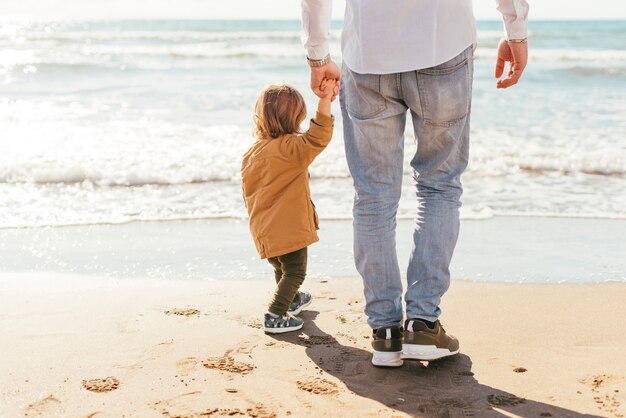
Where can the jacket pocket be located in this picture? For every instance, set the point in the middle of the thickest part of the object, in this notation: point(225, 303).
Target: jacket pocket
point(316, 219)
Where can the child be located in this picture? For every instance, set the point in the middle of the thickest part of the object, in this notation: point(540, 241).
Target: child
point(275, 182)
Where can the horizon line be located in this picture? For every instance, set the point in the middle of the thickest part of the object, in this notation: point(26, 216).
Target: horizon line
point(251, 19)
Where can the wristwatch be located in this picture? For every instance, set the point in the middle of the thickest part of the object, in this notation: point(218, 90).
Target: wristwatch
point(318, 63)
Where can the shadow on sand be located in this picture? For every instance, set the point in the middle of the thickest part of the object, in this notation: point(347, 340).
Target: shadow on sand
point(444, 388)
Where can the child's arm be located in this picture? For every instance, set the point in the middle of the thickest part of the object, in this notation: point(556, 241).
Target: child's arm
point(303, 149)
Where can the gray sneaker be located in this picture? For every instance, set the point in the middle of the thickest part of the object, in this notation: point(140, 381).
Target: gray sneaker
point(303, 301)
point(423, 343)
point(282, 324)
point(387, 345)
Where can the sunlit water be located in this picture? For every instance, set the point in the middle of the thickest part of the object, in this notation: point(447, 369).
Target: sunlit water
point(132, 120)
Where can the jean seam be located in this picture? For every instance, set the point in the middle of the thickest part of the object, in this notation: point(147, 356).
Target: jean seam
point(421, 95)
point(399, 84)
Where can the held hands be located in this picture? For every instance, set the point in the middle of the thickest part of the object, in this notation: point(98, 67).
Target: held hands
point(329, 71)
point(516, 53)
point(329, 89)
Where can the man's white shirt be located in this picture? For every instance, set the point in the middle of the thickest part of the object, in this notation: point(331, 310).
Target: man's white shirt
point(393, 36)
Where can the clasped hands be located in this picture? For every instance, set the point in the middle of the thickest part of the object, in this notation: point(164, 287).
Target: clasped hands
point(325, 80)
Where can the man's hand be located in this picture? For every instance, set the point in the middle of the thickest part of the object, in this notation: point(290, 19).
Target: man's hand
point(516, 53)
point(328, 71)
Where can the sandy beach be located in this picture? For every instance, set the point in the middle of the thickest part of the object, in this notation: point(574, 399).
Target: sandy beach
point(89, 346)
point(130, 285)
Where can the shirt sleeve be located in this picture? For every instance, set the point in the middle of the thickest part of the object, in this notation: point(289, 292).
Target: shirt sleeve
point(302, 149)
point(316, 16)
point(515, 16)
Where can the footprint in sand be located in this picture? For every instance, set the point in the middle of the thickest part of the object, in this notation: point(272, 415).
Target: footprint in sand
point(254, 323)
point(318, 386)
point(316, 339)
point(149, 354)
point(228, 364)
point(504, 400)
point(45, 407)
point(244, 347)
point(192, 405)
point(601, 380)
point(186, 366)
point(605, 398)
point(350, 338)
point(445, 407)
point(183, 312)
point(106, 384)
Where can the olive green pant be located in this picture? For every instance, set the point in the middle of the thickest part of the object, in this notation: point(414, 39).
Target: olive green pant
point(289, 272)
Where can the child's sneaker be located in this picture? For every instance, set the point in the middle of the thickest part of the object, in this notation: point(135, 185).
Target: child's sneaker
point(296, 307)
point(280, 324)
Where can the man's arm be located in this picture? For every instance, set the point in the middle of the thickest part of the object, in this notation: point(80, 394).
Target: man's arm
point(316, 17)
point(514, 48)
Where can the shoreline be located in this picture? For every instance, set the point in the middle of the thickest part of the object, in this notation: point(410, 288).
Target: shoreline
point(79, 345)
point(237, 218)
point(500, 249)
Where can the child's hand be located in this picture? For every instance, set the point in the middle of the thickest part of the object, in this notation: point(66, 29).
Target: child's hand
point(330, 86)
point(335, 92)
point(332, 90)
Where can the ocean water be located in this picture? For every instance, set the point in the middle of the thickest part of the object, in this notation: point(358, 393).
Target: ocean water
point(116, 121)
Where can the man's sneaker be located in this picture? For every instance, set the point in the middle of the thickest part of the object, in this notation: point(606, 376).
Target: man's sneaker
point(423, 343)
point(303, 301)
point(387, 345)
point(280, 324)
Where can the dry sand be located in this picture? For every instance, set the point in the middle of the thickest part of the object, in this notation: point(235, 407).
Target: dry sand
point(81, 346)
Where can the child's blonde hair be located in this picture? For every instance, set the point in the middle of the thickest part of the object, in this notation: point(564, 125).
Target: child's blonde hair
point(279, 110)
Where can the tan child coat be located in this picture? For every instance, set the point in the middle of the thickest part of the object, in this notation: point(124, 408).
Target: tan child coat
point(275, 181)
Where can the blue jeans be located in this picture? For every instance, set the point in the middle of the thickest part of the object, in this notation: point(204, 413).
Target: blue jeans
point(374, 109)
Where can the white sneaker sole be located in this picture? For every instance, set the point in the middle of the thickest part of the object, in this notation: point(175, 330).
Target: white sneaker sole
point(387, 359)
point(282, 330)
point(425, 352)
point(297, 311)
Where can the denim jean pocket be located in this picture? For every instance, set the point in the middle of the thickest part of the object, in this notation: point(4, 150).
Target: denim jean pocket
point(445, 91)
point(362, 94)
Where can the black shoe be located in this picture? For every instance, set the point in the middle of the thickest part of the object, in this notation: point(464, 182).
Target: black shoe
point(387, 345)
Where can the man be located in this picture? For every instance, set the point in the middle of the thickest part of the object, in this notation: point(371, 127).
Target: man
point(400, 56)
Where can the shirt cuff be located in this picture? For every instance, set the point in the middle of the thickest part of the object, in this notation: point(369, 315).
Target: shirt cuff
point(323, 120)
point(515, 15)
point(516, 30)
point(317, 52)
